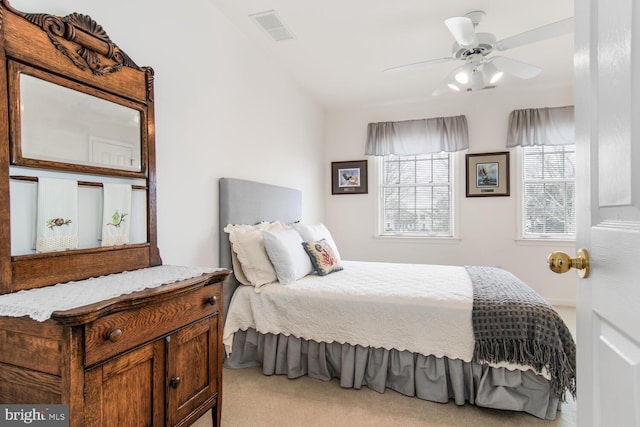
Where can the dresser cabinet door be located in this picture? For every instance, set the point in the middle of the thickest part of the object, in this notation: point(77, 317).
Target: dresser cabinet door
point(128, 390)
point(192, 355)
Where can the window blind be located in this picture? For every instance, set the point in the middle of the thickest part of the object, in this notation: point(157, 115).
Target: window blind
point(549, 190)
point(416, 192)
point(547, 138)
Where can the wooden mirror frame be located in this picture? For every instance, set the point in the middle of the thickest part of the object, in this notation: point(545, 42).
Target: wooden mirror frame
point(76, 51)
point(15, 70)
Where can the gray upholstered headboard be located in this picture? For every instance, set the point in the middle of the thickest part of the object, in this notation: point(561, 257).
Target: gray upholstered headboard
point(249, 202)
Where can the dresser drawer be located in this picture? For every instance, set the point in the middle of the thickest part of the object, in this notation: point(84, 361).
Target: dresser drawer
point(119, 332)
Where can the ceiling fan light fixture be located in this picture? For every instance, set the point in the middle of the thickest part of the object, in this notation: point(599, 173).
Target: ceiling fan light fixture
point(477, 80)
point(493, 73)
point(472, 49)
point(462, 77)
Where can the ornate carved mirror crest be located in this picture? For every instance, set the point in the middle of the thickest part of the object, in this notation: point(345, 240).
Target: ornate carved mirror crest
point(71, 28)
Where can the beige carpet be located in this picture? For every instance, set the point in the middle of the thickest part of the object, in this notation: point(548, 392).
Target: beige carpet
point(251, 399)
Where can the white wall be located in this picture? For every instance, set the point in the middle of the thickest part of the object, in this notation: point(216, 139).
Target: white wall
point(223, 109)
point(487, 226)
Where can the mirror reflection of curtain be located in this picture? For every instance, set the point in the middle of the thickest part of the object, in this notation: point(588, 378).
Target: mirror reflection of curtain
point(415, 137)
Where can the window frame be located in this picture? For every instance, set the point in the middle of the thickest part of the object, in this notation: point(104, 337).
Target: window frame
point(522, 236)
point(453, 204)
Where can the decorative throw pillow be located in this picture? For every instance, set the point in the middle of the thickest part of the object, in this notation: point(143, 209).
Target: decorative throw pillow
point(323, 258)
point(286, 254)
point(315, 232)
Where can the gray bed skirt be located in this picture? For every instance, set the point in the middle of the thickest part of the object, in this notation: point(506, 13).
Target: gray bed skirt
point(425, 377)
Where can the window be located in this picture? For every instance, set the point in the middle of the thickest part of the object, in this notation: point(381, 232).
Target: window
point(549, 191)
point(416, 195)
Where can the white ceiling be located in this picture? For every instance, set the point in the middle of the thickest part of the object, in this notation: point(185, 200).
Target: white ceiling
point(341, 47)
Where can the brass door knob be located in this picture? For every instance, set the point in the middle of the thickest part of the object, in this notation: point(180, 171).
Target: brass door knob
point(560, 262)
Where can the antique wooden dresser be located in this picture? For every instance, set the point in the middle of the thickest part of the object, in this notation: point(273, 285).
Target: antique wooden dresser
point(103, 327)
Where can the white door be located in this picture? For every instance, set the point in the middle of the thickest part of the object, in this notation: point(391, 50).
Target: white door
point(607, 100)
point(111, 153)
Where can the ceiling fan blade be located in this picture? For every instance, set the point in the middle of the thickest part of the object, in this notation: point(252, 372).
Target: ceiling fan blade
point(537, 34)
point(449, 84)
point(517, 68)
point(440, 90)
point(420, 64)
point(462, 30)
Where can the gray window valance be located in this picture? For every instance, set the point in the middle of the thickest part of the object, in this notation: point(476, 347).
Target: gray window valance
point(541, 126)
point(414, 137)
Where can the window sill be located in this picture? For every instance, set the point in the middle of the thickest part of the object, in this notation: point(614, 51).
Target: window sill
point(569, 243)
point(423, 239)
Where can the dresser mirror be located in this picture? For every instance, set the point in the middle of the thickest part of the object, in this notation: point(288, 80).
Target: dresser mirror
point(79, 110)
point(58, 123)
point(65, 125)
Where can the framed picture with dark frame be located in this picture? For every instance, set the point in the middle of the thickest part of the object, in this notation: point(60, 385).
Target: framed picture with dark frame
point(349, 177)
point(487, 174)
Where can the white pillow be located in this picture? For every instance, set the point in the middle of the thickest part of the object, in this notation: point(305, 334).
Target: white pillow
point(314, 233)
point(287, 255)
point(248, 244)
point(237, 269)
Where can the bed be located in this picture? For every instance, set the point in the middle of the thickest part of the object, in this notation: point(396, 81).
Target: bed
point(468, 334)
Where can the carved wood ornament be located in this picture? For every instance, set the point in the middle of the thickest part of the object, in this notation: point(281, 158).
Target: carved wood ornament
point(87, 56)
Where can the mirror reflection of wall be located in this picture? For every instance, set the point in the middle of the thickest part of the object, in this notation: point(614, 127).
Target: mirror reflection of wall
point(64, 125)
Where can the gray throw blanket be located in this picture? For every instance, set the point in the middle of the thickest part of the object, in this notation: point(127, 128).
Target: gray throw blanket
point(512, 323)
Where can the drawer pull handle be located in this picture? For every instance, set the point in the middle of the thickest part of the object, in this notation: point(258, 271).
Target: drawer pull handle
point(212, 300)
point(114, 335)
point(174, 382)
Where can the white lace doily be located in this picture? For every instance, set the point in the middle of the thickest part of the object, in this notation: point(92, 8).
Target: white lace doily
point(39, 303)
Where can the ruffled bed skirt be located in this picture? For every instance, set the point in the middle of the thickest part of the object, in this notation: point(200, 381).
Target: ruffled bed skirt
point(426, 377)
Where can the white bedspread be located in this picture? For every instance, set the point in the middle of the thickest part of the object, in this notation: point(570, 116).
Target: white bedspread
point(428, 311)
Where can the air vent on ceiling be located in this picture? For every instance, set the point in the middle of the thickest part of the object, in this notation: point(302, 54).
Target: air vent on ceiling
point(271, 23)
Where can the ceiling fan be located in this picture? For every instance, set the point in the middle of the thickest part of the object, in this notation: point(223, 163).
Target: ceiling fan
point(480, 71)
